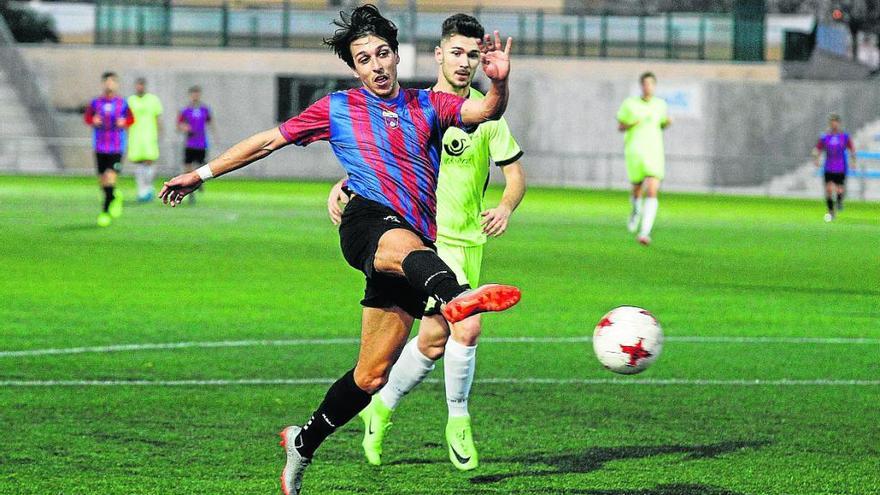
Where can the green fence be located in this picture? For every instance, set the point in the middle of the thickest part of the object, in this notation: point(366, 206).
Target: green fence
point(666, 36)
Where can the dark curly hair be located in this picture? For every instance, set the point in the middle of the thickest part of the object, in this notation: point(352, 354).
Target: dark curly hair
point(464, 25)
point(363, 21)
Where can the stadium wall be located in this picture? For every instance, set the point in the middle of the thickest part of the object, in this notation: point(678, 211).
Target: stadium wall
point(735, 125)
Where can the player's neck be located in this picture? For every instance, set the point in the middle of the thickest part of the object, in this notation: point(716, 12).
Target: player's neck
point(647, 97)
point(394, 93)
point(109, 94)
point(443, 86)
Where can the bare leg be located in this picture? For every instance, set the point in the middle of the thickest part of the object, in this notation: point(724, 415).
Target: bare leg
point(383, 334)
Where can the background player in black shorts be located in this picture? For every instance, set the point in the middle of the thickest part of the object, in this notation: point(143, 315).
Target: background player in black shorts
point(109, 116)
point(835, 144)
point(195, 121)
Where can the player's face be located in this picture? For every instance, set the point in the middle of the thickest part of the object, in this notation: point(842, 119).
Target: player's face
point(835, 125)
point(375, 64)
point(459, 57)
point(195, 96)
point(649, 84)
point(140, 88)
point(110, 85)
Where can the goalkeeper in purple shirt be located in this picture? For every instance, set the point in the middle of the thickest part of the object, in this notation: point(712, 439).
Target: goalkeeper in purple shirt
point(835, 144)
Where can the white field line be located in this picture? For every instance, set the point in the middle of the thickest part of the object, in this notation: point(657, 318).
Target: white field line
point(496, 381)
point(489, 340)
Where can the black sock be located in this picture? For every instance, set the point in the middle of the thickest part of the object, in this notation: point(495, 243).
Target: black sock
point(425, 271)
point(343, 401)
point(108, 196)
point(830, 203)
point(839, 199)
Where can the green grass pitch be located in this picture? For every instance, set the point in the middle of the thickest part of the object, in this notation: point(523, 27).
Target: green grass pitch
point(259, 261)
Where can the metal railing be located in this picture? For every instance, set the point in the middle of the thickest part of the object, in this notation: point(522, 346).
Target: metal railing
point(30, 93)
point(665, 36)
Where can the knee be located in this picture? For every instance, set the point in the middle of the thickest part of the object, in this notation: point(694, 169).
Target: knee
point(433, 347)
point(467, 332)
point(372, 379)
point(390, 255)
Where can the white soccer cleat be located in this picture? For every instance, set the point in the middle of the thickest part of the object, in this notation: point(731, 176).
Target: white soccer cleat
point(829, 217)
point(291, 477)
point(633, 224)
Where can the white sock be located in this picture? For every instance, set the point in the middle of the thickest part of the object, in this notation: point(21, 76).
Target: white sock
point(140, 178)
point(459, 363)
point(149, 177)
point(410, 369)
point(651, 205)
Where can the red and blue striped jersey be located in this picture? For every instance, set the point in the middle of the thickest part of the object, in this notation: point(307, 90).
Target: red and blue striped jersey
point(109, 136)
point(390, 148)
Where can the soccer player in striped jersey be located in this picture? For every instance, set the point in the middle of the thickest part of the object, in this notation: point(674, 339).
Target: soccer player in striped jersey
point(109, 116)
point(835, 144)
point(388, 140)
point(462, 227)
point(143, 137)
point(643, 120)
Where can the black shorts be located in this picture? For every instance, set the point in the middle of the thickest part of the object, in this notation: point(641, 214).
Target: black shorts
point(363, 223)
point(108, 161)
point(194, 155)
point(838, 178)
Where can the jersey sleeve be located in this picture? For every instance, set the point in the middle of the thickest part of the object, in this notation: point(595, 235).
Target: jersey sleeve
point(159, 109)
point(90, 113)
point(503, 148)
point(208, 115)
point(128, 115)
point(448, 109)
point(820, 144)
point(180, 117)
point(313, 124)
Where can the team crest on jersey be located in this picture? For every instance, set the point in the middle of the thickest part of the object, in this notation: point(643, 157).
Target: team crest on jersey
point(108, 107)
point(391, 119)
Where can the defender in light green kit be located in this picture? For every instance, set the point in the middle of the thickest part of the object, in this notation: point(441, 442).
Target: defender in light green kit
point(462, 229)
point(643, 119)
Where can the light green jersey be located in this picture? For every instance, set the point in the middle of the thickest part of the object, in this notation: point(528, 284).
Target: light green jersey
point(143, 135)
point(464, 175)
point(643, 141)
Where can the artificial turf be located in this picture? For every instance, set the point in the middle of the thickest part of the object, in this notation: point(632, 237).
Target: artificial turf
point(259, 262)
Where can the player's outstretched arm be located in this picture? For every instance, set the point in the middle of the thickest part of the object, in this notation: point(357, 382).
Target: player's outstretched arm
point(496, 65)
point(242, 154)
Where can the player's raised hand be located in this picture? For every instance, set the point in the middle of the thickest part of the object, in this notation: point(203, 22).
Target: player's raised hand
point(179, 187)
point(337, 197)
point(496, 59)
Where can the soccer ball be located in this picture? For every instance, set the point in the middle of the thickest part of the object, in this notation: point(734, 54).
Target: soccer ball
point(628, 340)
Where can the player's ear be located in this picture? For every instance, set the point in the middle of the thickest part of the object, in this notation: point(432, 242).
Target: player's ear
point(396, 58)
point(438, 55)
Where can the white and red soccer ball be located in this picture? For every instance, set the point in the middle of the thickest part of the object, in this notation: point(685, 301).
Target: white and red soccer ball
point(628, 340)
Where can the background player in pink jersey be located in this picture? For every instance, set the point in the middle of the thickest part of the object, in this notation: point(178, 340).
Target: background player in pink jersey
point(835, 144)
point(388, 140)
point(109, 116)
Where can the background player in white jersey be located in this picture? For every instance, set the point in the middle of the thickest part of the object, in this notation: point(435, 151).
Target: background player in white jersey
point(462, 228)
point(643, 120)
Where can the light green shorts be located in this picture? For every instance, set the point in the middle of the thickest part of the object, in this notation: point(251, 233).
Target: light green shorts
point(464, 261)
point(639, 167)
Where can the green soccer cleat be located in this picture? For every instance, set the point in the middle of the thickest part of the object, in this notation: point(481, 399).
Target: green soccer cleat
point(115, 208)
point(104, 219)
point(377, 421)
point(462, 451)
